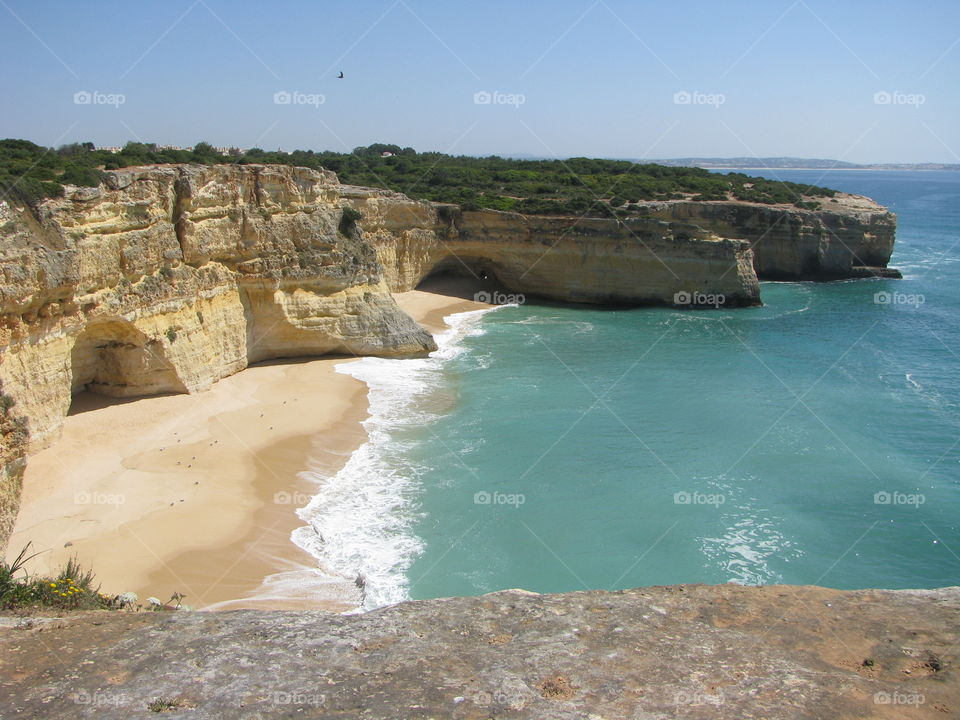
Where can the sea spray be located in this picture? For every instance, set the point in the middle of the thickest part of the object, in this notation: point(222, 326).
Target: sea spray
point(359, 523)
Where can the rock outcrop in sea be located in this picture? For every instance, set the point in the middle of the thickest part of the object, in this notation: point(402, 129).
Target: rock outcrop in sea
point(168, 278)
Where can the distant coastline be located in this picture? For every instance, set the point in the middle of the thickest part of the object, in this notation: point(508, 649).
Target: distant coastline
point(792, 163)
point(869, 168)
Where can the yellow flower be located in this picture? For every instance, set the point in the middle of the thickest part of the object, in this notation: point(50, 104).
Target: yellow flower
point(53, 585)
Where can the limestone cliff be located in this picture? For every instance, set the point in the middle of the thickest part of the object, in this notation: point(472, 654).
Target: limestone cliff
point(165, 279)
point(851, 236)
point(590, 260)
point(688, 651)
point(719, 248)
point(13, 449)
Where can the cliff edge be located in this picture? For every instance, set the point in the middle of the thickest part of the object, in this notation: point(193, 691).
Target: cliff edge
point(691, 651)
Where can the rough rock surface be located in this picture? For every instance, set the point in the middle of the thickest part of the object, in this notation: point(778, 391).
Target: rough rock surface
point(684, 651)
point(851, 236)
point(590, 260)
point(676, 246)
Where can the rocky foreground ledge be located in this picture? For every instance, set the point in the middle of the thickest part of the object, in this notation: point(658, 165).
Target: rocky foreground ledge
point(691, 651)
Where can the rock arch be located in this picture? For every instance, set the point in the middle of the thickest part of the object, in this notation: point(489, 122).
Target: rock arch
point(112, 357)
point(474, 267)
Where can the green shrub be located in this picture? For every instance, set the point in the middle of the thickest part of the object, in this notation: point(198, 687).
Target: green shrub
point(72, 588)
point(349, 219)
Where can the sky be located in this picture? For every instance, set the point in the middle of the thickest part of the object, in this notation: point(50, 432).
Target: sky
point(857, 81)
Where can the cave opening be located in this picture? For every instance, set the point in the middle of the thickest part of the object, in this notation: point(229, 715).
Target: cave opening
point(112, 360)
point(464, 277)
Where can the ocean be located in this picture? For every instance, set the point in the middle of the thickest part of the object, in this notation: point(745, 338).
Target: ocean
point(814, 440)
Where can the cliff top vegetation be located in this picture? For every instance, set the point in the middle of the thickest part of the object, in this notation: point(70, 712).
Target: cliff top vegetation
point(581, 186)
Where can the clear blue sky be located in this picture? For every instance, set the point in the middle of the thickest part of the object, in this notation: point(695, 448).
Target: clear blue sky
point(598, 78)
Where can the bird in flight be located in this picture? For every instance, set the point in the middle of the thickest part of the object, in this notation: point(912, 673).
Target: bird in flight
point(340, 76)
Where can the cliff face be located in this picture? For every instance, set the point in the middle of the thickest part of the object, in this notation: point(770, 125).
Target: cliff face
point(590, 260)
point(166, 279)
point(717, 248)
point(851, 237)
point(13, 451)
point(694, 651)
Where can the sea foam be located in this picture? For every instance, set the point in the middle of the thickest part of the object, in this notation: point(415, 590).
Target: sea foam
point(359, 523)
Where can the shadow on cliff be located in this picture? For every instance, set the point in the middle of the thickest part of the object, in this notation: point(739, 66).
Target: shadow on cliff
point(460, 285)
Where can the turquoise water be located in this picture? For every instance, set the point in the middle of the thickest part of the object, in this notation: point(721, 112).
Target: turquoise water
point(777, 425)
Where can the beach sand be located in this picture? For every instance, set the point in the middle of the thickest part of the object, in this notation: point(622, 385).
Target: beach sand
point(197, 494)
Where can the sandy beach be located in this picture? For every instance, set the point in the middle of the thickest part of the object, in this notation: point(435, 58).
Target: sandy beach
point(197, 494)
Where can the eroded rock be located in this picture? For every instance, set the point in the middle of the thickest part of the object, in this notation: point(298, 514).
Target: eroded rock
point(691, 651)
